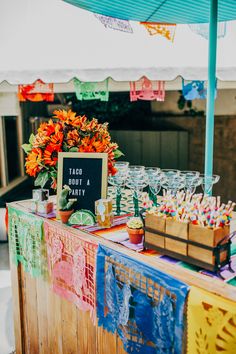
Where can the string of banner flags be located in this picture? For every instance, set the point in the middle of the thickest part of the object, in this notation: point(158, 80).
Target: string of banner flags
point(166, 30)
point(143, 89)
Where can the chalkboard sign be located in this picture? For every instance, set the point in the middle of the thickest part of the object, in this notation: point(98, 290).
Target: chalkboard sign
point(85, 174)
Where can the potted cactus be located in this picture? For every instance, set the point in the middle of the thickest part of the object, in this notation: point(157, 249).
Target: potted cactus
point(65, 204)
point(135, 230)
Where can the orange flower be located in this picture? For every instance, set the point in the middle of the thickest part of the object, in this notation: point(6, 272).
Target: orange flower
point(86, 145)
point(47, 128)
point(72, 138)
point(32, 162)
point(51, 154)
point(99, 146)
point(40, 140)
point(57, 138)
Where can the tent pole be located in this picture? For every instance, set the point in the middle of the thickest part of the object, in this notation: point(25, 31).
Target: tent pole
point(212, 50)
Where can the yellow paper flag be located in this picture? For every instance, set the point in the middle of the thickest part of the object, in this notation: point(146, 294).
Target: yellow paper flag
point(211, 323)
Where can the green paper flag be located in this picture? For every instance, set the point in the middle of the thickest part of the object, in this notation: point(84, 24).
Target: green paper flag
point(26, 242)
point(91, 90)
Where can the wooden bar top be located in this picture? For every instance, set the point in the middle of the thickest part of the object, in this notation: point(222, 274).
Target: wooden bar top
point(190, 277)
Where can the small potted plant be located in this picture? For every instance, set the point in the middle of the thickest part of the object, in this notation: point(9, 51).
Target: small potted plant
point(65, 204)
point(135, 230)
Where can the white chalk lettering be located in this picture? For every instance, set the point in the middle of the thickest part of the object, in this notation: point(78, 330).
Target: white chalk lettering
point(88, 182)
point(75, 171)
point(78, 192)
point(75, 181)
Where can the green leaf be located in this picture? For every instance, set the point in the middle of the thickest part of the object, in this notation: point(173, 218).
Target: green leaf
point(53, 174)
point(31, 139)
point(26, 147)
point(73, 149)
point(118, 153)
point(42, 178)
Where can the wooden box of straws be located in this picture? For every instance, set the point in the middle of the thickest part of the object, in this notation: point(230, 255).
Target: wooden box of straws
point(156, 224)
point(178, 229)
point(208, 237)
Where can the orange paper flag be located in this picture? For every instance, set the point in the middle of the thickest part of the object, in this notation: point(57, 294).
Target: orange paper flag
point(166, 30)
point(36, 92)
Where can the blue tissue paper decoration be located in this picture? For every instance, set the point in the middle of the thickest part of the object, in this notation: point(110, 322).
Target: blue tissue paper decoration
point(195, 90)
point(142, 304)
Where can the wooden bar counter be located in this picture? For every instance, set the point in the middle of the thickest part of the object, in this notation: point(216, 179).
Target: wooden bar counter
point(46, 323)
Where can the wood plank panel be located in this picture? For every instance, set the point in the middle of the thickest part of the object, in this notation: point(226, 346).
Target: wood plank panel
point(183, 150)
point(69, 327)
point(120, 347)
point(86, 339)
point(41, 286)
point(151, 142)
point(25, 325)
point(54, 322)
point(31, 314)
point(105, 340)
point(130, 144)
point(169, 149)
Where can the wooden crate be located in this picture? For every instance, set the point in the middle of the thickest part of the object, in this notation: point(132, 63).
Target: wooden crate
point(208, 237)
point(178, 229)
point(156, 223)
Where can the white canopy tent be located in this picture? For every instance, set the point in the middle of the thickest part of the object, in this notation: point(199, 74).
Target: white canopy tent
point(54, 41)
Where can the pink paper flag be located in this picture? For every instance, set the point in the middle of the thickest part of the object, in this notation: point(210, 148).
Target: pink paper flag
point(72, 266)
point(145, 89)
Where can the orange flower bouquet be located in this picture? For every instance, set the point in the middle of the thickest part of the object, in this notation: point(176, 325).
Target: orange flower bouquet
point(69, 133)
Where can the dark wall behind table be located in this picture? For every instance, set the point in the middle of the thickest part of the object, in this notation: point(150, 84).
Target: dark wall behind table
point(122, 114)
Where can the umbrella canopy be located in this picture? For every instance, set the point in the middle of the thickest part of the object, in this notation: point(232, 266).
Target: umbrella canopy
point(170, 11)
point(54, 41)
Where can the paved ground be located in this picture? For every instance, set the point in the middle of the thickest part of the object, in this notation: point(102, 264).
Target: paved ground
point(6, 318)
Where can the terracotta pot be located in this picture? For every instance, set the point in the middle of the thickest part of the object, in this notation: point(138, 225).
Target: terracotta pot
point(65, 215)
point(135, 235)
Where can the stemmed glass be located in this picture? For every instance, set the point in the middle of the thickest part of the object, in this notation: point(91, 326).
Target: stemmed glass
point(118, 181)
point(173, 181)
point(136, 181)
point(208, 182)
point(192, 180)
point(155, 177)
point(173, 184)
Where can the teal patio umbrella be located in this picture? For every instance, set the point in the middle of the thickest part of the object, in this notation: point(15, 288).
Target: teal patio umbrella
point(179, 12)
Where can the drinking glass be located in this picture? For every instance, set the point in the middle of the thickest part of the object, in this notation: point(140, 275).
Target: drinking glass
point(155, 177)
point(192, 180)
point(208, 182)
point(173, 184)
point(136, 181)
point(118, 181)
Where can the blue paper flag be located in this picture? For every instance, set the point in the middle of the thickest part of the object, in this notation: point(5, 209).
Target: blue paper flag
point(195, 90)
point(143, 305)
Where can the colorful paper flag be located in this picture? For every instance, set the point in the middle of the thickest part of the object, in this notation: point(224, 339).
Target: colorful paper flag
point(36, 92)
point(115, 23)
point(91, 90)
point(211, 323)
point(166, 30)
point(144, 306)
point(145, 89)
point(195, 90)
point(203, 29)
